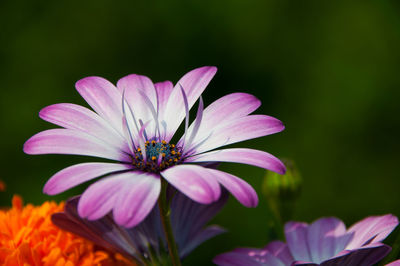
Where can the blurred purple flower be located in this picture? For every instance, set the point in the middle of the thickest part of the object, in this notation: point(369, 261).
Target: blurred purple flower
point(324, 242)
point(145, 243)
point(394, 263)
point(133, 124)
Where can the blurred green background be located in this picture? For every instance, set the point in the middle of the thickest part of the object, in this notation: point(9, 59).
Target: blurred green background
point(327, 69)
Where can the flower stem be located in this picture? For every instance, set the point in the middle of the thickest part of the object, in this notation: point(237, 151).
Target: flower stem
point(166, 223)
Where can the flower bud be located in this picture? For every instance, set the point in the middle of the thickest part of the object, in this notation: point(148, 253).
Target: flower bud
point(281, 191)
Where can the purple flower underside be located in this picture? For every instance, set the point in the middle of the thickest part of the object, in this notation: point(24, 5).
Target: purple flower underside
point(188, 219)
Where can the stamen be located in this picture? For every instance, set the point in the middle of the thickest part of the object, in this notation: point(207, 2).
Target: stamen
point(160, 158)
point(160, 155)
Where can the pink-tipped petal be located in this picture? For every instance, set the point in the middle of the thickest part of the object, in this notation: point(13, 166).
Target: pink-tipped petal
point(194, 181)
point(68, 141)
point(239, 188)
point(296, 238)
point(237, 130)
point(326, 238)
point(137, 198)
point(229, 107)
point(141, 96)
point(372, 229)
point(100, 197)
point(104, 98)
point(78, 174)
point(163, 90)
point(194, 83)
point(242, 155)
point(77, 117)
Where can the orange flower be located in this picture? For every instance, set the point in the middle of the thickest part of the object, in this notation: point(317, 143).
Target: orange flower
point(28, 237)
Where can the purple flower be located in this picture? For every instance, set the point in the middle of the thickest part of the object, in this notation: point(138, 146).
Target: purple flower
point(394, 263)
point(145, 243)
point(133, 124)
point(324, 242)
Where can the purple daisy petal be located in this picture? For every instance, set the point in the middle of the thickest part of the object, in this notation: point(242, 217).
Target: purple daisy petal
point(141, 95)
point(137, 198)
point(146, 239)
point(100, 197)
point(63, 221)
point(194, 83)
point(77, 117)
point(240, 155)
point(163, 90)
point(239, 188)
point(229, 107)
point(103, 97)
point(372, 229)
point(77, 174)
point(296, 238)
point(104, 232)
point(248, 256)
point(302, 263)
point(68, 141)
point(281, 251)
point(73, 223)
point(188, 219)
point(200, 238)
point(364, 256)
point(194, 181)
point(244, 128)
point(134, 83)
point(234, 258)
point(196, 125)
point(326, 237)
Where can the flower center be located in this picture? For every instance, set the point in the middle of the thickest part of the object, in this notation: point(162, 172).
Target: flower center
point(159, 155)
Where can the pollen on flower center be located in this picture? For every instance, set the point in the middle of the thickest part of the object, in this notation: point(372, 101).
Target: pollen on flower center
point(158, 156)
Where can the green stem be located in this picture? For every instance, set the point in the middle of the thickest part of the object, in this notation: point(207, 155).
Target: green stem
point(166, 222)
point(276, 221)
